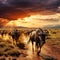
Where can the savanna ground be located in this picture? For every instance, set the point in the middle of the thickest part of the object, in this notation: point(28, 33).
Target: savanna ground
point(50, 51)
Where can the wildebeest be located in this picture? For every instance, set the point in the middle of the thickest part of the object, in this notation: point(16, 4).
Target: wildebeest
point(2, 32)
point(38, 37)
point(15, 35)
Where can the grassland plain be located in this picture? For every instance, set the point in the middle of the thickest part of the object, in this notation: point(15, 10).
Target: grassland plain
point(50, 51)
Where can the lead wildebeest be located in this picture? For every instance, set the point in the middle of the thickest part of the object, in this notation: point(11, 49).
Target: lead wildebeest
point(38, 37)
point(15, 35)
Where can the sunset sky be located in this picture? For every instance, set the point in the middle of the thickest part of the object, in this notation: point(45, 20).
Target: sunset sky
point(29, 13)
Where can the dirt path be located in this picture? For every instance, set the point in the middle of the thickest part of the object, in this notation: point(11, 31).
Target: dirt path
point(48, 52)
point(51, 51)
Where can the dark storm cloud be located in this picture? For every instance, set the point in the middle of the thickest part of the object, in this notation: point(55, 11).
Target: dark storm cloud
point(34, 3)
point(16, 8)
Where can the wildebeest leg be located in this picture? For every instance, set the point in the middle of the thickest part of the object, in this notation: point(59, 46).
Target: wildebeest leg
point(14, 42)
point(39, 50)
point(2, 35)
point(32, 47)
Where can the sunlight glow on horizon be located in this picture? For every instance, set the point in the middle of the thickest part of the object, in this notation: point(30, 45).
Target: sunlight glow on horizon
point(35, 21)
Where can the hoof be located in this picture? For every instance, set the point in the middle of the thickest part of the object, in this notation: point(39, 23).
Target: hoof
point(38, 53)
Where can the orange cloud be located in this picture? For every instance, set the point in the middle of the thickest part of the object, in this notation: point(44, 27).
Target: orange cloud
point(35, 21)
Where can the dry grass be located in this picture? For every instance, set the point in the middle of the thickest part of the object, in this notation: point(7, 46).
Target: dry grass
point(53, 41)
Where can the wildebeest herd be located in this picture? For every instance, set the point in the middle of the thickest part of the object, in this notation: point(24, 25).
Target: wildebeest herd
point(38, 36)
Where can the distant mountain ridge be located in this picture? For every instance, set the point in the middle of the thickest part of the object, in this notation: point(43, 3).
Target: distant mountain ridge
point(51, 26)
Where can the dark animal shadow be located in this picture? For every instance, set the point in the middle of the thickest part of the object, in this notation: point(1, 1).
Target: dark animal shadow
point(21, 46)
point(14, 59)
point(46, 57)
point(2, 59)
